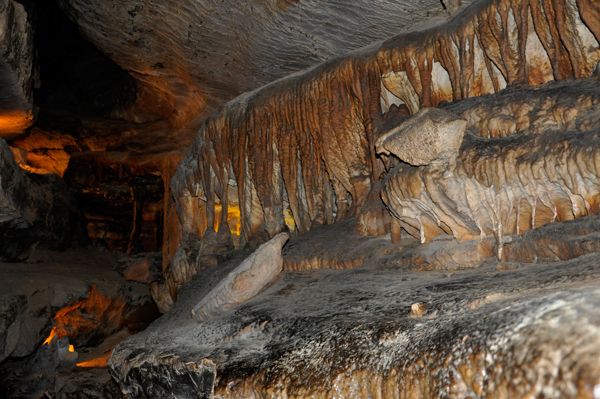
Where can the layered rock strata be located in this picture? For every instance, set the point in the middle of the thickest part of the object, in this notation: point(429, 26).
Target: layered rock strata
point(528, 158)
point(304, 146)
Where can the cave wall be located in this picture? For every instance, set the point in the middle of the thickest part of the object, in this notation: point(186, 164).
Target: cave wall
point(36, 211)
point(17, 72)
point(191, 56)
point(304, 145)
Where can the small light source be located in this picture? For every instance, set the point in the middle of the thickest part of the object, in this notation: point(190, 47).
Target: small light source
point(71, 348)
point(52, 334)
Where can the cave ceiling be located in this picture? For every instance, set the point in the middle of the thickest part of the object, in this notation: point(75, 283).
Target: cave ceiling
point(189, 57)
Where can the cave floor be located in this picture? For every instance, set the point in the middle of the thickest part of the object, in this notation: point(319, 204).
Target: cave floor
point(349, 316)
point(381, 329)
point(80, 293)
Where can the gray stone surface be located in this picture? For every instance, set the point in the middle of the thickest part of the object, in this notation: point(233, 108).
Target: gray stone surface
point(35, 210)
point(496, 331)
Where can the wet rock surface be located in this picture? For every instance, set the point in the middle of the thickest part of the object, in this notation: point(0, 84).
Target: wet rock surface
point(499, 330)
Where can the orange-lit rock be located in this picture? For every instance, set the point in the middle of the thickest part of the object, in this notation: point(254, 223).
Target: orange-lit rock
point(49, 150)
point(189, 57)
point(17, 112)
point(308, 139)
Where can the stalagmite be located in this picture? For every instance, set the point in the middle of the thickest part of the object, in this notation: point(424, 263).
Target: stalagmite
point(255, 273)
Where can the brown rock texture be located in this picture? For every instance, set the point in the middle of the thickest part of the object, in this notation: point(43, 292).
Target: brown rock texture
point(304, 145)
point(536, 167)
point(16, 71)
point(35, 210)
point(191, 56)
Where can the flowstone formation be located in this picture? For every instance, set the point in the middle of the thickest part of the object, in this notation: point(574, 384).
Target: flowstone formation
point(529, 157)
point(474, 144)
point(300, 152)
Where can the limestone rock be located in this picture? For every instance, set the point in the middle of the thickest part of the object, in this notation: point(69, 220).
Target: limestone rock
point(16, 71)
point(505, 185)
point(144, 269)
point(58, 295)
point(425, 137)
point(234, 49)
point(304, 145)
point(251, 277)
point(349, 333)
point(35, 210)
point(161, 296)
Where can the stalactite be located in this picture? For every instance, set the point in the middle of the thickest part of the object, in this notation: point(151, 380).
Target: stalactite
point(317, 129)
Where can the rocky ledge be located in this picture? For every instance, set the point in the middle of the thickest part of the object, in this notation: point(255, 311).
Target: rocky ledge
point(383, 329)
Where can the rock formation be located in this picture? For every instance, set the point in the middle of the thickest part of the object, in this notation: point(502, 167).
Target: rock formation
point(191, 56)
point(35, 210)
point(501, 330)
point(305, 145)
point(54, 297)
point(252, 276)
point(472, 141)
point(17, 70)
point(534, 162)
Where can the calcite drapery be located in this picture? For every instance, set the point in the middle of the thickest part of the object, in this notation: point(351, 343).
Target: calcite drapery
point(305, 144)
point(537, 162)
